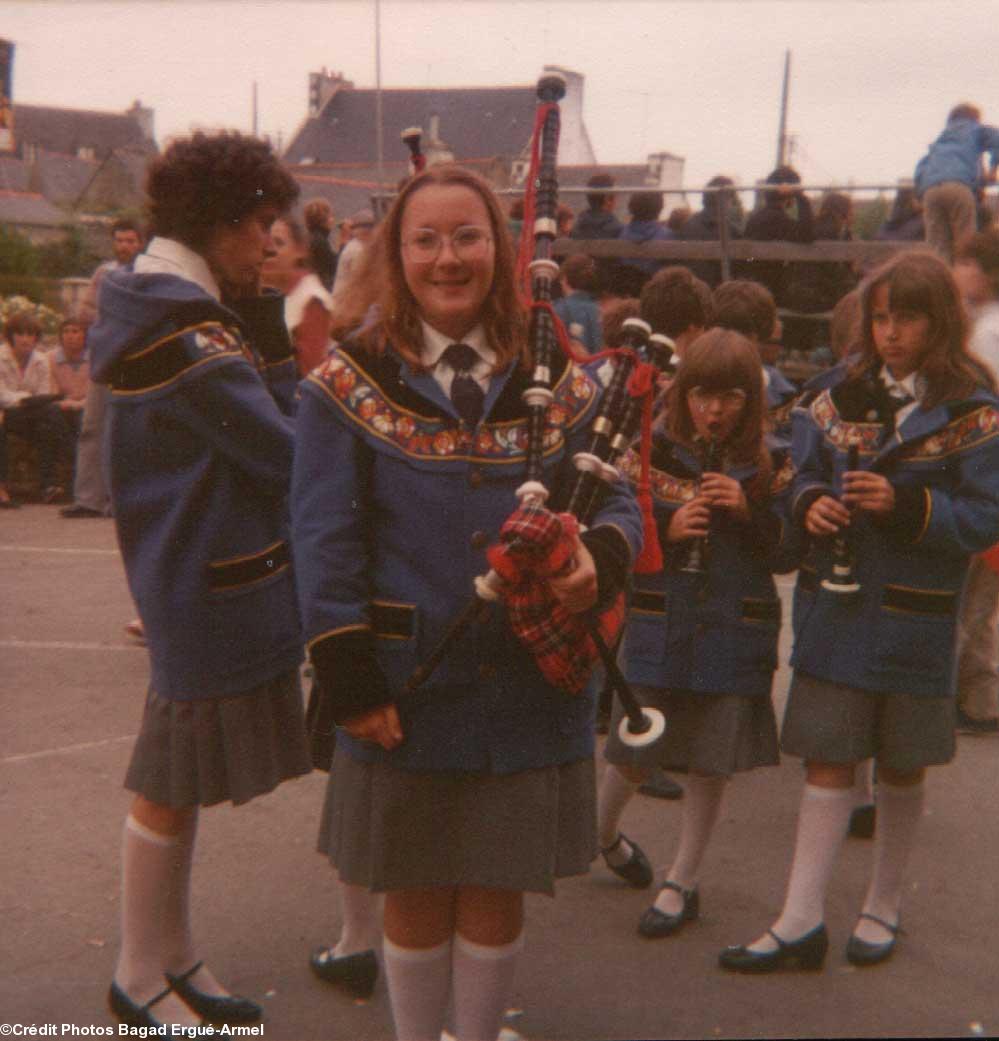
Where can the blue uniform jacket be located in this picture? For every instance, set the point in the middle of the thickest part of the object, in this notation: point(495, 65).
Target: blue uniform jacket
point(955, 154)
point(200, 458)
point(394, 502)
point(580, 308)
point(717, 634)
point(897, 634)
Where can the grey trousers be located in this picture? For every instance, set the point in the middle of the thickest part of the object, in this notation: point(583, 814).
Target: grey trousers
point(949, 213)
point(978, 643)
point(90, 487)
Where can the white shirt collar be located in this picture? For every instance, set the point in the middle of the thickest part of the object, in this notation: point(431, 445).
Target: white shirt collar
point(435, 343)
point(170, 257)
point(911, 385)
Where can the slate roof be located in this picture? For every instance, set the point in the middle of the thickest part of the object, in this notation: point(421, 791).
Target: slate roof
point(66, 130)
point(29, 208)
point(475, 122)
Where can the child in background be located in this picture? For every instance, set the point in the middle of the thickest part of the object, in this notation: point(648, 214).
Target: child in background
point(578, 307)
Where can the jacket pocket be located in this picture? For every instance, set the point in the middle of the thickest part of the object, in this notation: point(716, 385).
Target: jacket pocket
point(238, 576)
point(916, 631)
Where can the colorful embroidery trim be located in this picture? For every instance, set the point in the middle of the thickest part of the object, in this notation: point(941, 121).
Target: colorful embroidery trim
point(962, 433)
point(432, 437)
point(664, 486)
point(866, 436)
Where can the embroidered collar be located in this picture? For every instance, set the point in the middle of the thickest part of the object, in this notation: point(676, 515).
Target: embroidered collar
point(170, 257)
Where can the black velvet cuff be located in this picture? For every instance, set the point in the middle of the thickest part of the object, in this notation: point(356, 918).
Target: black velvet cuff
point(907, 522)
point(348, 675)
point(612, 559)
point(263, 317)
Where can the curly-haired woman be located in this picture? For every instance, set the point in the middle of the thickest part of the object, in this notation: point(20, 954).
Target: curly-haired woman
point(201, 376)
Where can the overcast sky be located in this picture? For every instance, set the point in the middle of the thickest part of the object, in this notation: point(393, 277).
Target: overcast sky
point(871, 81)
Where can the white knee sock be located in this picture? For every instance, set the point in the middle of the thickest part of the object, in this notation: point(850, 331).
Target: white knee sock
point(701, 803)
point(481, 981)
point(359, 908)
point(899, 813)
point(419, 982)
point(614, 795)
point(822, 823)
point(153, 875)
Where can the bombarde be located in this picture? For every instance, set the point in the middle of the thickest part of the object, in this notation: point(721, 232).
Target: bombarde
point(696, 562)
point(843, 581)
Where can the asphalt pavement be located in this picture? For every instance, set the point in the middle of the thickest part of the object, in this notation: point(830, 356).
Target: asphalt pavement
point(72, 686)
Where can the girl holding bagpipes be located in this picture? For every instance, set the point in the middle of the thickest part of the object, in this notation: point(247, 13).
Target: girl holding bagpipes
point(874, 665)
point(702, 639)
point(457, 797)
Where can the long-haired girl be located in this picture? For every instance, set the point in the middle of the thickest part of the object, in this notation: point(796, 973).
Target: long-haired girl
point(874, 668)
point(702, 645)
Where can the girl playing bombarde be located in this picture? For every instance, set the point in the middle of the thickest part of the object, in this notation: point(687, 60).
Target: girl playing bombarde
point(873, 670)
point(703, 646)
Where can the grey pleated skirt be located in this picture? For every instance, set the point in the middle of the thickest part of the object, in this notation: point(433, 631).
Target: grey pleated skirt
point(716, 734)
point(387, 829)
point(828, 723)
point(198, 753)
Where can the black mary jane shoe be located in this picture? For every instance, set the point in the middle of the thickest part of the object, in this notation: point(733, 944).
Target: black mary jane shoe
point(808, 952)
point(213, 1008)
point(655, 923)
point(125, 1010)
point(863, 953)
point(356, 973)
point(636, 871)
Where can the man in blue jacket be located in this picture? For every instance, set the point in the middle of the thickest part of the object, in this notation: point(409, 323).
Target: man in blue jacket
point(947, 176)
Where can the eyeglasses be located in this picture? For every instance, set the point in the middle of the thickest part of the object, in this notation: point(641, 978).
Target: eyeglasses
point(729, 400)
point(467, 242)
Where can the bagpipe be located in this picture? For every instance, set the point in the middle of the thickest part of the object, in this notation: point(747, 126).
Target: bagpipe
point(537, 544)
point(417, 160)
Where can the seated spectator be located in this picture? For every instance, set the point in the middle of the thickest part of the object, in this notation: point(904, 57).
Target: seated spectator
point(26, 407)
point(564, 221)
point(307, 305)
point(748, 308)
point(644, 226)
point(785, 216)
point(597, 221)
point(678, 305)
point(704, 226)
point(70, 374)
point(578, 307)
point(905, 222)
point(319, 222)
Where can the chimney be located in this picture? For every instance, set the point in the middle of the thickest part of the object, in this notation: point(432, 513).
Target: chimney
point(437, 150)
point(574, 148)
point(322, 88)
point(144, 117)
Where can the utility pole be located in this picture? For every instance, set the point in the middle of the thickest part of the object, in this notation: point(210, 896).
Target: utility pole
point(378, 97)
point(782, 132)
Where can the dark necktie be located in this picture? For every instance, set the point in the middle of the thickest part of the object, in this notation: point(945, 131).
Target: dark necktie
point(466, 394)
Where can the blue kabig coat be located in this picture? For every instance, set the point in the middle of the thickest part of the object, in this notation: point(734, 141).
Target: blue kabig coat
point(394, 503)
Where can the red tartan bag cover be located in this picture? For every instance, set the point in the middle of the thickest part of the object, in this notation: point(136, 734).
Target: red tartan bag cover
point(535, 545)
